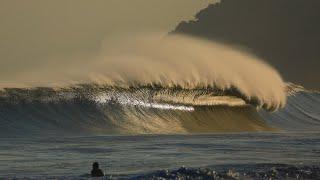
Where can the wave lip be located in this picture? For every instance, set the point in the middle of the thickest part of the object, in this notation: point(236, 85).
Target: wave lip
point(147, 96)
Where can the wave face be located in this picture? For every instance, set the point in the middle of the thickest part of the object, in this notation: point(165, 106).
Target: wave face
point(96, 110)
point(92, 109)
point(302, 113)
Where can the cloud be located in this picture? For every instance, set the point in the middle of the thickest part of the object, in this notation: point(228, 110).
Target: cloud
point(284, 33)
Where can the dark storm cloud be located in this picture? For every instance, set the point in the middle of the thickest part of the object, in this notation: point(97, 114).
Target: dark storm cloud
point(285, 33)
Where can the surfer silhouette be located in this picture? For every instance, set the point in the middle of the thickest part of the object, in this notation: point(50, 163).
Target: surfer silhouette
point(96, 171)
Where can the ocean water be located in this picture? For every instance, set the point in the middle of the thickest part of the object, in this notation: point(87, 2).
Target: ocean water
point(127, 156)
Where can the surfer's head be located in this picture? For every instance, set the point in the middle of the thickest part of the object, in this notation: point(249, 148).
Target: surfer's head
point(95, 165)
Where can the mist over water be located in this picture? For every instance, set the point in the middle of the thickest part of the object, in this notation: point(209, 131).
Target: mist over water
point(143, 85)
point(167, 62)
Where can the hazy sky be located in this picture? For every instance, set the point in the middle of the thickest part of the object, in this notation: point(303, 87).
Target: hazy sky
point(33, 30)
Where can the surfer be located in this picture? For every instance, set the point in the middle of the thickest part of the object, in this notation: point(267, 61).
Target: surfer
point(96, 171)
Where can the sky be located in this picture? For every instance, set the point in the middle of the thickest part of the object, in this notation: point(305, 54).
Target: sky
point(34, 31)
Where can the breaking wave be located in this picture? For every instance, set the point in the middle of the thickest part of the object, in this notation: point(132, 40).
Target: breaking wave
point(153, 85)
point(93, 109)
point(166, 62)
